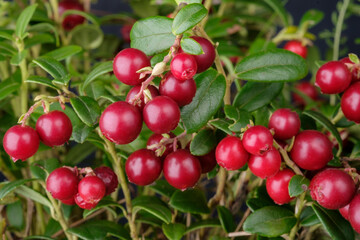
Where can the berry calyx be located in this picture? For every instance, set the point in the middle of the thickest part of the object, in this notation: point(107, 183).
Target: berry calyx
point(160, 151)
point(307, 89)
point(277, 186)
point(230, 153)
point(91, 189)
point(354, 69)
point(62, 183)
point(296, 47)
point(135, 90)
point(72, 20)
point(350, 102)
point(109, 178)
point(83, 204)
point(257, 140)
point(266, 165)
point(285, 123)
point(183, 66)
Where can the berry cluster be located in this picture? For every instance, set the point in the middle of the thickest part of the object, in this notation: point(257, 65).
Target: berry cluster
point(70, 186)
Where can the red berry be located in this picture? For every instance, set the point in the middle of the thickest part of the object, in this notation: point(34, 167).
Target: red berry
point(355, 70)
point(143, 167)
point(161, 114)
point(121, 122)
point(125, 32)
point(207, 161)
point(183, 66)
point(344, 211)
point(230, 153)
point(277, 186)
point(181, 169)
point(285, 123)
point(333, 77)
point(155, 140)
point(109, 178)
point(182, 92)
point(72, 20)
point(311, 150)
point(354, 213)
point(257, 140)
point(266, 165)
point(92, 189)
point(54, 128)
point(296, 47)
point(135, 90)
point(332, 188)
point(21, 142)
point(70, 201)
point(62, 183)
point(127, 62)
point(350, 102)
point(84, 205)
point(307, 89)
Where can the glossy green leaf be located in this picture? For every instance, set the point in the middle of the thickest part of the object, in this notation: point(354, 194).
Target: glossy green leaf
point(152, 35)
point(270, 221)
point(81, 132)
point(163, 188)
point(203, 142)
point(279, 8)
point(191, 46)
point(7, 87)
point(240, 117)
point(223, 125)
point(52, 66)
point(312, 17)
point(190, 201)
point(45, 27)
point(208, 99)
point(101, 69)
point(33, 195)
point(308, 217)
point(92, 18)
point(10, 186)
point(188, 17)
point(258, 203)
point(298, 184)
point(256, 95)
point(64, 52)
point(154, 206)
point(78, 153)
point(41, 168)
point(208, 223)
point(272, 66)
point(41, 80)
point(226, 219)
point(174, 231)
point(18, 57)
point(87, 109)
point(23, 20)
point(87, 36)
point(104, 203)
point(14, 214)
point(337, 227)
point(261, 44)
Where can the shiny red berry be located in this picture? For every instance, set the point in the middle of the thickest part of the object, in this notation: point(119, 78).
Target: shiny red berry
point(307, 89)
point(121, 122)
point(354, 213)
point(72, 20)
point(181, 169)
point(54, 128)
point(332, 188)
point(350, 102)
point(161, 151)
point(21, 142)
point(127, 62)
point(230, 153)
point(285, 123)
point(355, 70)
point(62, 183)
point(135, 90)
point(182, 92)
point(296, 47)
point(207, 161)
point(83, 204)
point(311, 150)
point(109, 178)
point(266, 165)
point(257, 140)
point(183, 66)
point(143, 167)
point(92, 189)
point(333, 77)
point(344, 211)
point(277, 186)
point(161, 114)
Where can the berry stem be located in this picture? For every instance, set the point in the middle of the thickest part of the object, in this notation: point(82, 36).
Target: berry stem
point(287, 160)
point(300, 203)
point(220, 188)
point(338, 29)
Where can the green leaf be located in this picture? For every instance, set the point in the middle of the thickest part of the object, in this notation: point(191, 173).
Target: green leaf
point(163, 188)
point(52, 66)
point(101, 69)
point(240, 117)
point(18, 57)
point(308, 217)
point(41, 80)
point(6, 34)
point(104, 203)
point(154, 206)
point(152, 35)
point(223, 125)
point(337, 227)
point(325, 122)
point(203, 142)
point(270, 221)
point(256, 95)
point(87, 36)
point(81, 132)
point(45, 27)
point(78, 153)
point(33, 195)
point(92, 18)
point(208, 99)
point(298, 184)
point(64, 52)
point(208, 223)
point(14, 214)
point(7, 49)
point(272, 66)
point(87, 109)
point(41, 168)
point(261, 44)
point(188, 17)
point(226, 219)
point(187, 1)
point(7, 188)
point(312, 17)
point(279, 8)
point(190, 201)
point(191, 46)
point(23, 21)
point(38, 39)
point(7, 87)
point(174, 231)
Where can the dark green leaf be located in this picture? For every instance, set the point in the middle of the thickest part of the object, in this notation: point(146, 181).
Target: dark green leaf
point(87, 109)
point(308, 217)
point(101, 69)
point(78, 153)
point(222, 124)
point(41, 80)
point(240, 117)
point(191, 46)
point(97, 90)
point(261, 44)
point(312, 16)
point(154, 206)
point(18, 57)
point(190, 201)
point(15, 217)
point(41, 168)
point(298, 184)
point(152, 35)
point(174, 231)
point(64, 52)
point(227, 49)
point(87, 36)
point(33, 195)
point(270, 221)
point(23, 21)
point(209, 223)
point(217, 28)
point(272, 66)
point(81, 132)
point(188, 17)
point(258, 203)
point(203, 142)
point(208, 99)
point(7, 188)
point(162, 187)
point(7, 87)
point(52, 66)
point(104, 203)
point(226, 219)
point(279, 8)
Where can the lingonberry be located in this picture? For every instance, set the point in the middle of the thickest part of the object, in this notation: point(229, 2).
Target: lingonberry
point(62, 183)
point(161, 114)
point(135, 90)
point(125, 32)
point(181, 169)
point(183, 66)
point(205, 60)
point(344, 211)
point(332, 188)
point(311, 150)
point(207, 161)
point(92, 189)
point(160, 151)
point(21, 142)
point(355, 70)
point(354, 213)
point(70, 201)
point(182, 92)
point(72, 20)
point(285, 123)
point(266, 165)
point(277, 186)
point(109, 178)
point(230, 153)
point(257, 140)
point(307, 89)
point(296, 47)
point(126, 64)
point(333, 77)
point(121, 122)
point(83, 204)
point(54, 128)
point(143, 167)
point(350, 102)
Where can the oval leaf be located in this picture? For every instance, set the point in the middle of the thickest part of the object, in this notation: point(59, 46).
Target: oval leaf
point(226, 219)
point(203, 142)
point(298, 184)
point(97, 71)
point(41, 80)
point(240, 117)
point(188, 17)
point(190, 201)
point(33, 195)
point(154, 206)
point(64, 52)
point(87, 36)
point(312, 17)
point(23, 20)
point(191, 46)
point(7, 188)
point(174, 231)
point(52, 66)
point(87, 109)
